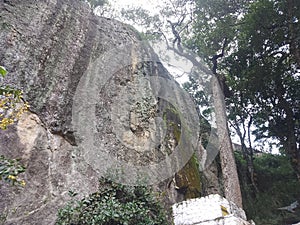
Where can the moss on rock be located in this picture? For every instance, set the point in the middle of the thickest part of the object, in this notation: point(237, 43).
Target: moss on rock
point(188, 179)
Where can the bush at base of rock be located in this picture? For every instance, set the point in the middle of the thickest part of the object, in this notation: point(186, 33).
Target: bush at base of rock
point(114, 204)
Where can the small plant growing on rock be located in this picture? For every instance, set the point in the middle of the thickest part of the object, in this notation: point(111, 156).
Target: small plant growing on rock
point(10, 169)
point(12, 107)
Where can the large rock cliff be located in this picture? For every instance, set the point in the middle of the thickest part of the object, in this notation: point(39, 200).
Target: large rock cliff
point(48, 48)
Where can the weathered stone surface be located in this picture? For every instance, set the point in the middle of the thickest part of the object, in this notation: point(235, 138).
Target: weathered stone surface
point(47, 46)
point(51, 172)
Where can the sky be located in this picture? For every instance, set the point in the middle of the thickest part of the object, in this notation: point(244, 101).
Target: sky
point(147, 4)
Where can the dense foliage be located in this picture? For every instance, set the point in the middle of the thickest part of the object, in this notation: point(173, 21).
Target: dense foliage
point(277, 187)
point(114, 204)
point(264, 72)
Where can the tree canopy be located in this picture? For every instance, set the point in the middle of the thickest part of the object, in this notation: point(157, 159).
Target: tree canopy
point(255, 45)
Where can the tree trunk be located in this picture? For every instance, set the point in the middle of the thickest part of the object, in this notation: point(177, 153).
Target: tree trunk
point(231, 184)
point(230, 176)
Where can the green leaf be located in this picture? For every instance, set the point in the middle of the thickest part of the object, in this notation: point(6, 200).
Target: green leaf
point(3, 71)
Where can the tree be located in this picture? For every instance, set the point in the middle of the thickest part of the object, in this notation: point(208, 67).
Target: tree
point(257, 49)
point(264, 72)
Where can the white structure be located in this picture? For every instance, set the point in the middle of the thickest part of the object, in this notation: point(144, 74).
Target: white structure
point(209, 210)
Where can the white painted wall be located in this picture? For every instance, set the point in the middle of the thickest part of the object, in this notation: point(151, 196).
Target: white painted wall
point(209, 210)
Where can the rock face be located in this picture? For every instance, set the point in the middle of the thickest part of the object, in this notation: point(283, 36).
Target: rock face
point(48, 47)
point(50, 174)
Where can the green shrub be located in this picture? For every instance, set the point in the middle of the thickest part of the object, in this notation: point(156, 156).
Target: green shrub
point(114, 204)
